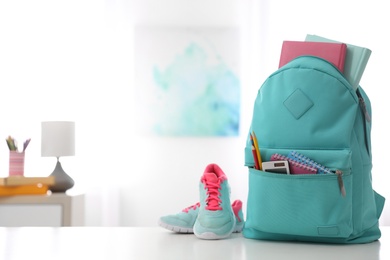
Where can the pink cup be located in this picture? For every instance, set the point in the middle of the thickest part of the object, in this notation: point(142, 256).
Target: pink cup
point(16, 163)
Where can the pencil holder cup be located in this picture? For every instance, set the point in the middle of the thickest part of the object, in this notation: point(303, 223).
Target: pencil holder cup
point(16, 163)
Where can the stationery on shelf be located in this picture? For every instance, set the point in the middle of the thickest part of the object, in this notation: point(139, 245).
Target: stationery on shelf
point(332, 52)
point(355, 61)
point(12, 145)
point(25, 144)
point(295, 166)
point(21, 180)
point(16, 157)
point(257, 150)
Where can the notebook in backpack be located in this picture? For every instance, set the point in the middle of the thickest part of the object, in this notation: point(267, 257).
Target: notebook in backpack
point(308, 107)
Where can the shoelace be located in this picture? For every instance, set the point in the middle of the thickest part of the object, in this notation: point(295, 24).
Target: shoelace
point(212, 201)
point(195, 206)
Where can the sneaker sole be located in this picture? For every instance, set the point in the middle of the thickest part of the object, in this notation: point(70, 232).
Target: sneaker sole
point(176, 229)
point(213, 236)
point(238, 229)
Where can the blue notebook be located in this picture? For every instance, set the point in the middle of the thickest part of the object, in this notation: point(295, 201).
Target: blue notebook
point(355, 61)
point(294, 155)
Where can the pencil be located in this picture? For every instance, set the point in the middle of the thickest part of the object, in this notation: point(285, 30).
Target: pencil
point(260, 161)
point(257, 167)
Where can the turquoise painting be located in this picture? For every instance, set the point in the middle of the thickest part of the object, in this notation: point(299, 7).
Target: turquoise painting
point(195, 91)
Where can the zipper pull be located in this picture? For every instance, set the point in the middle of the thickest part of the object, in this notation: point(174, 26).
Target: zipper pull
point(363, 107)
point(341, 182)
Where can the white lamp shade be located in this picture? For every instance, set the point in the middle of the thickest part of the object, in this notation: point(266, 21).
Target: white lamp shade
point(58, 139)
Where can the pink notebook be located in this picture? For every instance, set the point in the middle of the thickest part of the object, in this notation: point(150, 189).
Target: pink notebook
point(330, 51)
point(295, 166)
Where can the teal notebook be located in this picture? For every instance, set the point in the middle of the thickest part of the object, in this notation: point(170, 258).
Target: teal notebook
point(355, 61)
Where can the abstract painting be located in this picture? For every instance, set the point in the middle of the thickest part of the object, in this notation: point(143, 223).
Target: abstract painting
point(186, 81)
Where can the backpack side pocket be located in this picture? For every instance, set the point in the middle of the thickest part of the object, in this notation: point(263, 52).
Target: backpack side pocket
point(298, 205)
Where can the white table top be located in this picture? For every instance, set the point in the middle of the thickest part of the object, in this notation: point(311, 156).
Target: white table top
point(157, 243)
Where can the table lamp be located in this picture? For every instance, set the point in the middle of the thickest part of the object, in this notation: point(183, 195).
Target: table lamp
point(58, 139)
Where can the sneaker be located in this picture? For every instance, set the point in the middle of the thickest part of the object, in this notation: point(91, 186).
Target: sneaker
point(183, 222)
point(237, 210)
point(215, 218)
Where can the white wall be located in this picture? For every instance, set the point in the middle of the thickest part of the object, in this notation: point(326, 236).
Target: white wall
point(72, 60)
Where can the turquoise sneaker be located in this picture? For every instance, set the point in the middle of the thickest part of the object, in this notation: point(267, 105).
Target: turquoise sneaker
point(183, 222)
point(216, 217)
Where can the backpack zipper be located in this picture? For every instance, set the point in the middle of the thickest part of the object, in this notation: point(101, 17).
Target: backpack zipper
point(363, 107)
point(341, 182)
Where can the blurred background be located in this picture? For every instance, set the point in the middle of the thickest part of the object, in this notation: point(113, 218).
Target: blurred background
point(86, 61)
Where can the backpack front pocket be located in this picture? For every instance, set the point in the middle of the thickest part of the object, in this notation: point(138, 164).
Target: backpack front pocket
point(299, 205)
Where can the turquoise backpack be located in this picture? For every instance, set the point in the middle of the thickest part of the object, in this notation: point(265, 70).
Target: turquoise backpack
point(307, 106)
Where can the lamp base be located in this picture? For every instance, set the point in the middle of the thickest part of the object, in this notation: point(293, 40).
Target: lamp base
point(62, 181)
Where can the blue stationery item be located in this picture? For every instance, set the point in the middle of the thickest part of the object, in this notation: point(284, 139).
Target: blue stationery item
point(294, 155)
point(309, 107)
point(355, 61)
